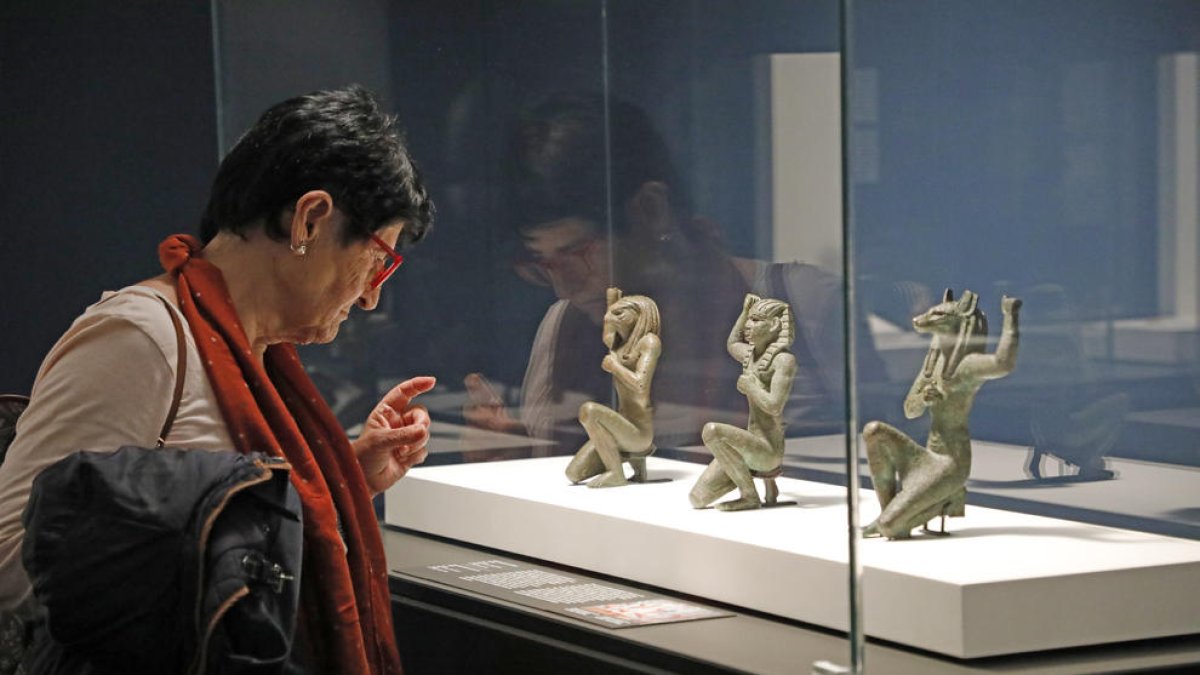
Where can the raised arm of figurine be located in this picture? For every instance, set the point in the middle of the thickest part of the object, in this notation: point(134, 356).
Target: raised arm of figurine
point(639, 377)
point(1004, 359)
point(770, 397)
point(919, 397)
point(737, 344)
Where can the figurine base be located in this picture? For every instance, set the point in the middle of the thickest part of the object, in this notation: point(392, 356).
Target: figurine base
point(762, 505)
point(999, 583)
point(630, 481)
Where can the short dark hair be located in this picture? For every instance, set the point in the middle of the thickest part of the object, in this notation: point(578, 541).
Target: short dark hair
point(338, 141)
point(570, 149)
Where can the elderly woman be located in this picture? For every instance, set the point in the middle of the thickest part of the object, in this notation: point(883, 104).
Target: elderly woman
point(302, 224)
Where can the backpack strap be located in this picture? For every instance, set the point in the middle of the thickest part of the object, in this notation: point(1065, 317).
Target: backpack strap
point(180, 372)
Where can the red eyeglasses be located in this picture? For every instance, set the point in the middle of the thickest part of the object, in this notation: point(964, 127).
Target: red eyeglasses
point(390, 268)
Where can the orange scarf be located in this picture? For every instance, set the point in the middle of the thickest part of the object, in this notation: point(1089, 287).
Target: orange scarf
point(345, 609)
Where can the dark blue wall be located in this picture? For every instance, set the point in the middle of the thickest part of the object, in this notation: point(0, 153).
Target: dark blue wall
point(1017, 141)
point(107, 143)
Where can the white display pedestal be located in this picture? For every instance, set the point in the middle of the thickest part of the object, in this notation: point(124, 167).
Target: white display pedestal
point(1003, 582)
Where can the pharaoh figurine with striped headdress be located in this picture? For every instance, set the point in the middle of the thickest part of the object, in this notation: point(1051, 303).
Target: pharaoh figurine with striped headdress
point(760, 340)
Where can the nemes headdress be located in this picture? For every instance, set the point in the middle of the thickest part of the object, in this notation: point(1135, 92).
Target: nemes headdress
point(772, 308)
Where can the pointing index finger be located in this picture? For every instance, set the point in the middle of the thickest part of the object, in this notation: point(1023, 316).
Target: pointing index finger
point(400, 395)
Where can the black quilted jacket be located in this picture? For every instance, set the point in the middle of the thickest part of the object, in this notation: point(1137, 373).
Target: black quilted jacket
point(164, 561)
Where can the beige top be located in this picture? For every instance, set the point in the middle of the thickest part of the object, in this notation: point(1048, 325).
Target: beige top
point(106, 383)
point(542, 407)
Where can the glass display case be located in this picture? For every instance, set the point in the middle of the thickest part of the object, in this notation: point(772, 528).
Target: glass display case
point(854, 160)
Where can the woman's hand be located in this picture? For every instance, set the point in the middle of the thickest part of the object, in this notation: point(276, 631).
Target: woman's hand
point(394, 435)
point(485, 409)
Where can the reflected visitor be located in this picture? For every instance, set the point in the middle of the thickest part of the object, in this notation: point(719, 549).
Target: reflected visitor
point(648, 245)
point(571, 151)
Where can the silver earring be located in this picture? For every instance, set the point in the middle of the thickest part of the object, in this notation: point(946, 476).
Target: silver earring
point(299, 250)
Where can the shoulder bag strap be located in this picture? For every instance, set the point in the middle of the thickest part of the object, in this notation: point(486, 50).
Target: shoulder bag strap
point(180, 372)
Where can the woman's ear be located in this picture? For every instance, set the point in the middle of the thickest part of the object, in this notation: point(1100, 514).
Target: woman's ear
point(311, 218)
